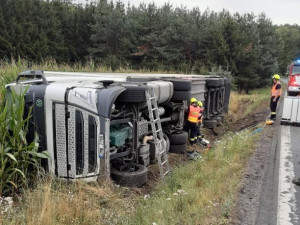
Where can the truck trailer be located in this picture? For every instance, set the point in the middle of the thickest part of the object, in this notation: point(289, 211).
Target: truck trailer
point(115, 125)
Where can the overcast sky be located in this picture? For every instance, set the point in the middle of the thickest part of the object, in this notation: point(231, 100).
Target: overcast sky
point(279, 11)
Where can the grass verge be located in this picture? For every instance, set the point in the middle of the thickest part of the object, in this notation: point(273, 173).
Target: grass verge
point(202, 192)
point(58, 202)
point(242, 105)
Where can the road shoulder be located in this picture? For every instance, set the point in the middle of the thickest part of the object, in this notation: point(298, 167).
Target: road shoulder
point(260, 165)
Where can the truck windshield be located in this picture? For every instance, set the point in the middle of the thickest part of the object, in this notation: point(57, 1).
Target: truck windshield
point(296, 69)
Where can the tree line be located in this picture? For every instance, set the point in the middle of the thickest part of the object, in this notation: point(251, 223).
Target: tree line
point(148, 37)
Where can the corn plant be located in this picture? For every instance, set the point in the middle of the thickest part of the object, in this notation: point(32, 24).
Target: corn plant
point(19, 160)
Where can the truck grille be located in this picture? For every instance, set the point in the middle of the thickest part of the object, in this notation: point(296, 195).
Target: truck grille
point(61, 146)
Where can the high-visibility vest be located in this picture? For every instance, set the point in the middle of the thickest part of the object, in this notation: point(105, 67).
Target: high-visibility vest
point(194, 114)
point(274, 91)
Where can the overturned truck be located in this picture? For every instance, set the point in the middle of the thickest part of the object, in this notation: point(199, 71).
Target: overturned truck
point(115, 125)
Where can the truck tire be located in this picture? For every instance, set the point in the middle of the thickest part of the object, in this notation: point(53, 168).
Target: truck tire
point(136, 178)
point(181, 96)
point(212, 82)
point(210, 123)
point(179, 149)
point(178, 138)
point(181, 85)
point(133, 94)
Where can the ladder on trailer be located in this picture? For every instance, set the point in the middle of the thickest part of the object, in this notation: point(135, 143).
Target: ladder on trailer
point(159, 142)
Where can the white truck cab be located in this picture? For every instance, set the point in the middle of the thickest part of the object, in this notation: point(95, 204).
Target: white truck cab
point(95, 126)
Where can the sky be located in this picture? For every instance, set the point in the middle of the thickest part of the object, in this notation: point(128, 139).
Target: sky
point(279, 11)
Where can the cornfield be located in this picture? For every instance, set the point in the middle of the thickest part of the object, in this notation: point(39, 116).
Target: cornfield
point(19, 160)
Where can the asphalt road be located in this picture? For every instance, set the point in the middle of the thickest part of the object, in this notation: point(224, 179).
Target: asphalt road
point(280, 198)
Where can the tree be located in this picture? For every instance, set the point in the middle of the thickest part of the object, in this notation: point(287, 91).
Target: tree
point(108, 32)
point(288, 37)
point(268, 64)
point(5, 45)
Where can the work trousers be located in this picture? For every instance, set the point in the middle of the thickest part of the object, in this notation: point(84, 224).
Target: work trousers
point(193, 127)
point(273, 106)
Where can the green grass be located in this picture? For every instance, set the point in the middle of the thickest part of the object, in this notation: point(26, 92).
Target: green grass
point(201, 192)
point(258, 97)
point(242, 105)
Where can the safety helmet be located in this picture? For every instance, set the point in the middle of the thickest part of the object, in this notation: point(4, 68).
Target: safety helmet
point(193, 100)
point(200, 103)
point(276, 77)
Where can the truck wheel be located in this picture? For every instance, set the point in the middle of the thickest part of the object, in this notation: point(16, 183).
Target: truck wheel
point(210, 123)
point(179, 149)
point(178, 138)
point(133, 94)
point(181, 85)
point(181, 96)
point(212, 82)
point(131, 179)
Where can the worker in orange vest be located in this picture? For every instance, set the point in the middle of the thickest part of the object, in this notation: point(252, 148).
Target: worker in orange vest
point(193, 119)
point(275, 95)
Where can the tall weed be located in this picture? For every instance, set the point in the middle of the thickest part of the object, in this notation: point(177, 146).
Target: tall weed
point(19, 160)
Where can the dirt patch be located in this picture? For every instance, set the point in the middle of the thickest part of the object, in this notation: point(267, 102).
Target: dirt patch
point(259, 114)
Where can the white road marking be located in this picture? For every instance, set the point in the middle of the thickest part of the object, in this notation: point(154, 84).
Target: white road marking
point(286, 189)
